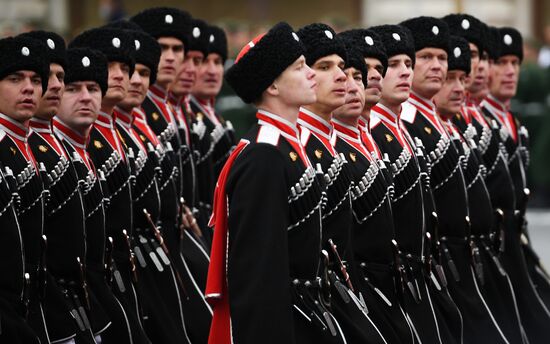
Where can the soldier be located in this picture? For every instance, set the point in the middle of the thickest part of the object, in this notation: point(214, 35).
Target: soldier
point(495, 286)
point(165, 278)
point(504, 73)
point(407, 198)
point(13, 301)
point(269, 161)
point(85, 83)
point(373, 227)
point(65, 214)
point(326, 55)
point(107, 153)
point(172, 29)
point(196, 244)
point(24, 77)
point(202, 141)
point(204, 93)
point(479, 322)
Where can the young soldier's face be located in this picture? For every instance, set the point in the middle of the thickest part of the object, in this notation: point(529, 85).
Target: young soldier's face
point(398, 80)
point(450, 98)
point(137, 87)
point(296, 85)
point(187, 73)
point(49, 104)
point(429, 71)
point(170, 60)
point(504, 75)
point(20, 93)
point(475, 57)
point(373, 92)
point(355, 95)
point(209, 77)
point(331, 82)
point(117, 83)
point(80, 104)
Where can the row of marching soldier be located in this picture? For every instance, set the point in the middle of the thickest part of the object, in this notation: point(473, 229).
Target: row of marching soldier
point(380, 198)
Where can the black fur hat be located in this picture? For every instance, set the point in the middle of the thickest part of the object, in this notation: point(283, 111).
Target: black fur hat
point(368, 43)
point(198, 40)
point(24, 53)
point(467, 27)
point(217, 41)
point(262, 60)
point(355, 56)
point(320, 40)
point(165, 22)
point(397, 40)
point(428, 32)
point(55, 44)
point(459, 54)
point(86, 64)
point(147, 50)
point(510, 42)
point(116, 44)
point(492, 39)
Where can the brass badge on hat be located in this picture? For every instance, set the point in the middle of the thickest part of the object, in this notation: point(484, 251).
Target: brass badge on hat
point(42, 148)
point(13, 150)
point(293, 156)
point(318, 153)
point(428, 130)
point(389, 138)
point(353, 156)
point(155, 116)
point(98, 144)
point(142, 137)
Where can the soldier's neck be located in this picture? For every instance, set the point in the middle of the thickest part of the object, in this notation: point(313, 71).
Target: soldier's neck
point(320, 110)
point(348, 120)
point(289, 113)
point(393, 107)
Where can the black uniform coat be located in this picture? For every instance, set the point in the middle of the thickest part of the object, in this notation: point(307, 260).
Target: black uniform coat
point(533, 310)
point(408, 215)
point(12, 265)
point(480, 325)
point(195, 310)
point(124, 326)
point(48, 314)
point(315, 135)
point(449, 201)
point(65, 228)
point(107, 153)
point(373, 231)
point(273, 243)
point(495, 286)
point(162, 296)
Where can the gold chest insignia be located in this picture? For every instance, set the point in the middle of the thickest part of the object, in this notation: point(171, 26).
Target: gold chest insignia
point(389, 138)
point(155, 116)
point(458, 116)
point(199, 116)
point(318, 153)
point(42, 148)
point(142, 137)
point(428, 130)
point(13, 150)
point(293, 156)
point(353, 156)
point(98, 144)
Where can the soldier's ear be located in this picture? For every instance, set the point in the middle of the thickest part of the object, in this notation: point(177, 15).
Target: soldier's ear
point(273, 90)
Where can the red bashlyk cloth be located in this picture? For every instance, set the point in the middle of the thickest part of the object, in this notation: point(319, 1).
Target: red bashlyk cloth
point(216, 284)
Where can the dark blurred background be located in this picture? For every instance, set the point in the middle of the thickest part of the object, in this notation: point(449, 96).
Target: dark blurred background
point(244, 19)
